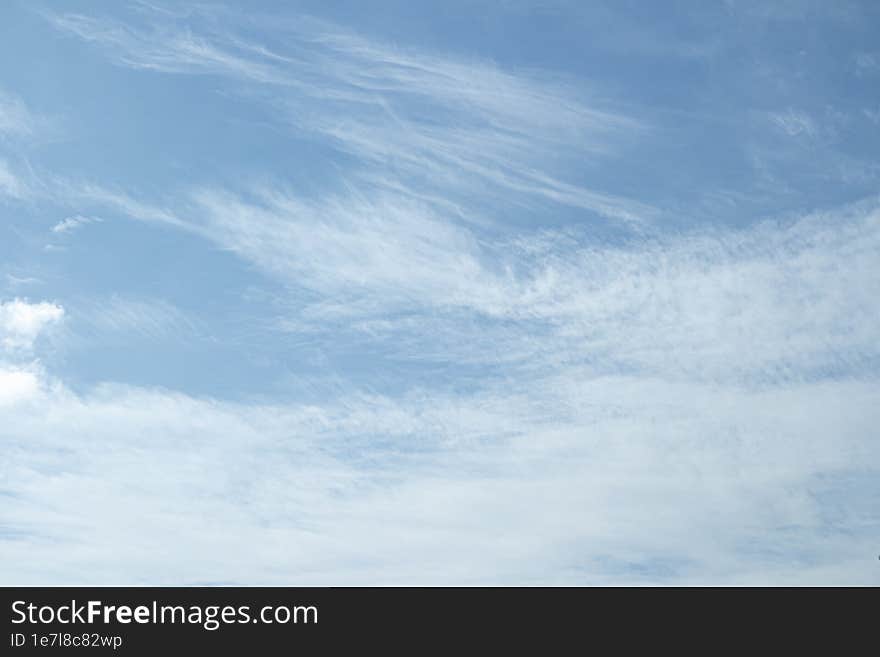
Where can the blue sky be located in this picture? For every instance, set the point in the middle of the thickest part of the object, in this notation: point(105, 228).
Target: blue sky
point(439, 293)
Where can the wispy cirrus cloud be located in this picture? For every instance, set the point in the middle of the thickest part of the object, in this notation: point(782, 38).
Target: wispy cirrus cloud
point(16, 120)
point(12, 185)
point(381, 105)
point(146, 318)
point(781, 299)
point(18, 125)
point(70, 224)
point(794, 123)
point(781, 294)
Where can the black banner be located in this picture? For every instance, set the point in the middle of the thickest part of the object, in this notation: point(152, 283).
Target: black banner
point(134, 621)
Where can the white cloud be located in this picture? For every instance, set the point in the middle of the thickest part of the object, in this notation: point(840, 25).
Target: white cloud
point(163, 48)
point(15, 118)
point(146, 318)
point(385, 246)
point(677, 409)
point(500, 131)
point(735, 303)
point(867, 62)
point(564, 479)
point(782, 299)
point(737, 411)
point(17, 385)
point(21, 322)
point(872, 115)
point(70, 224)
point(117, 200)
point(11, 185)
point(794, 123)
point(18, 281)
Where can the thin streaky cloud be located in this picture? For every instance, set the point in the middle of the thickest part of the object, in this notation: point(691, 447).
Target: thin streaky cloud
point(16, 120)
point(12, 186)
point(70, 224)
point(723, 304)
point(499, 128)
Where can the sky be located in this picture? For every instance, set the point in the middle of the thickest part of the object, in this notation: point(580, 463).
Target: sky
point(465, 292)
